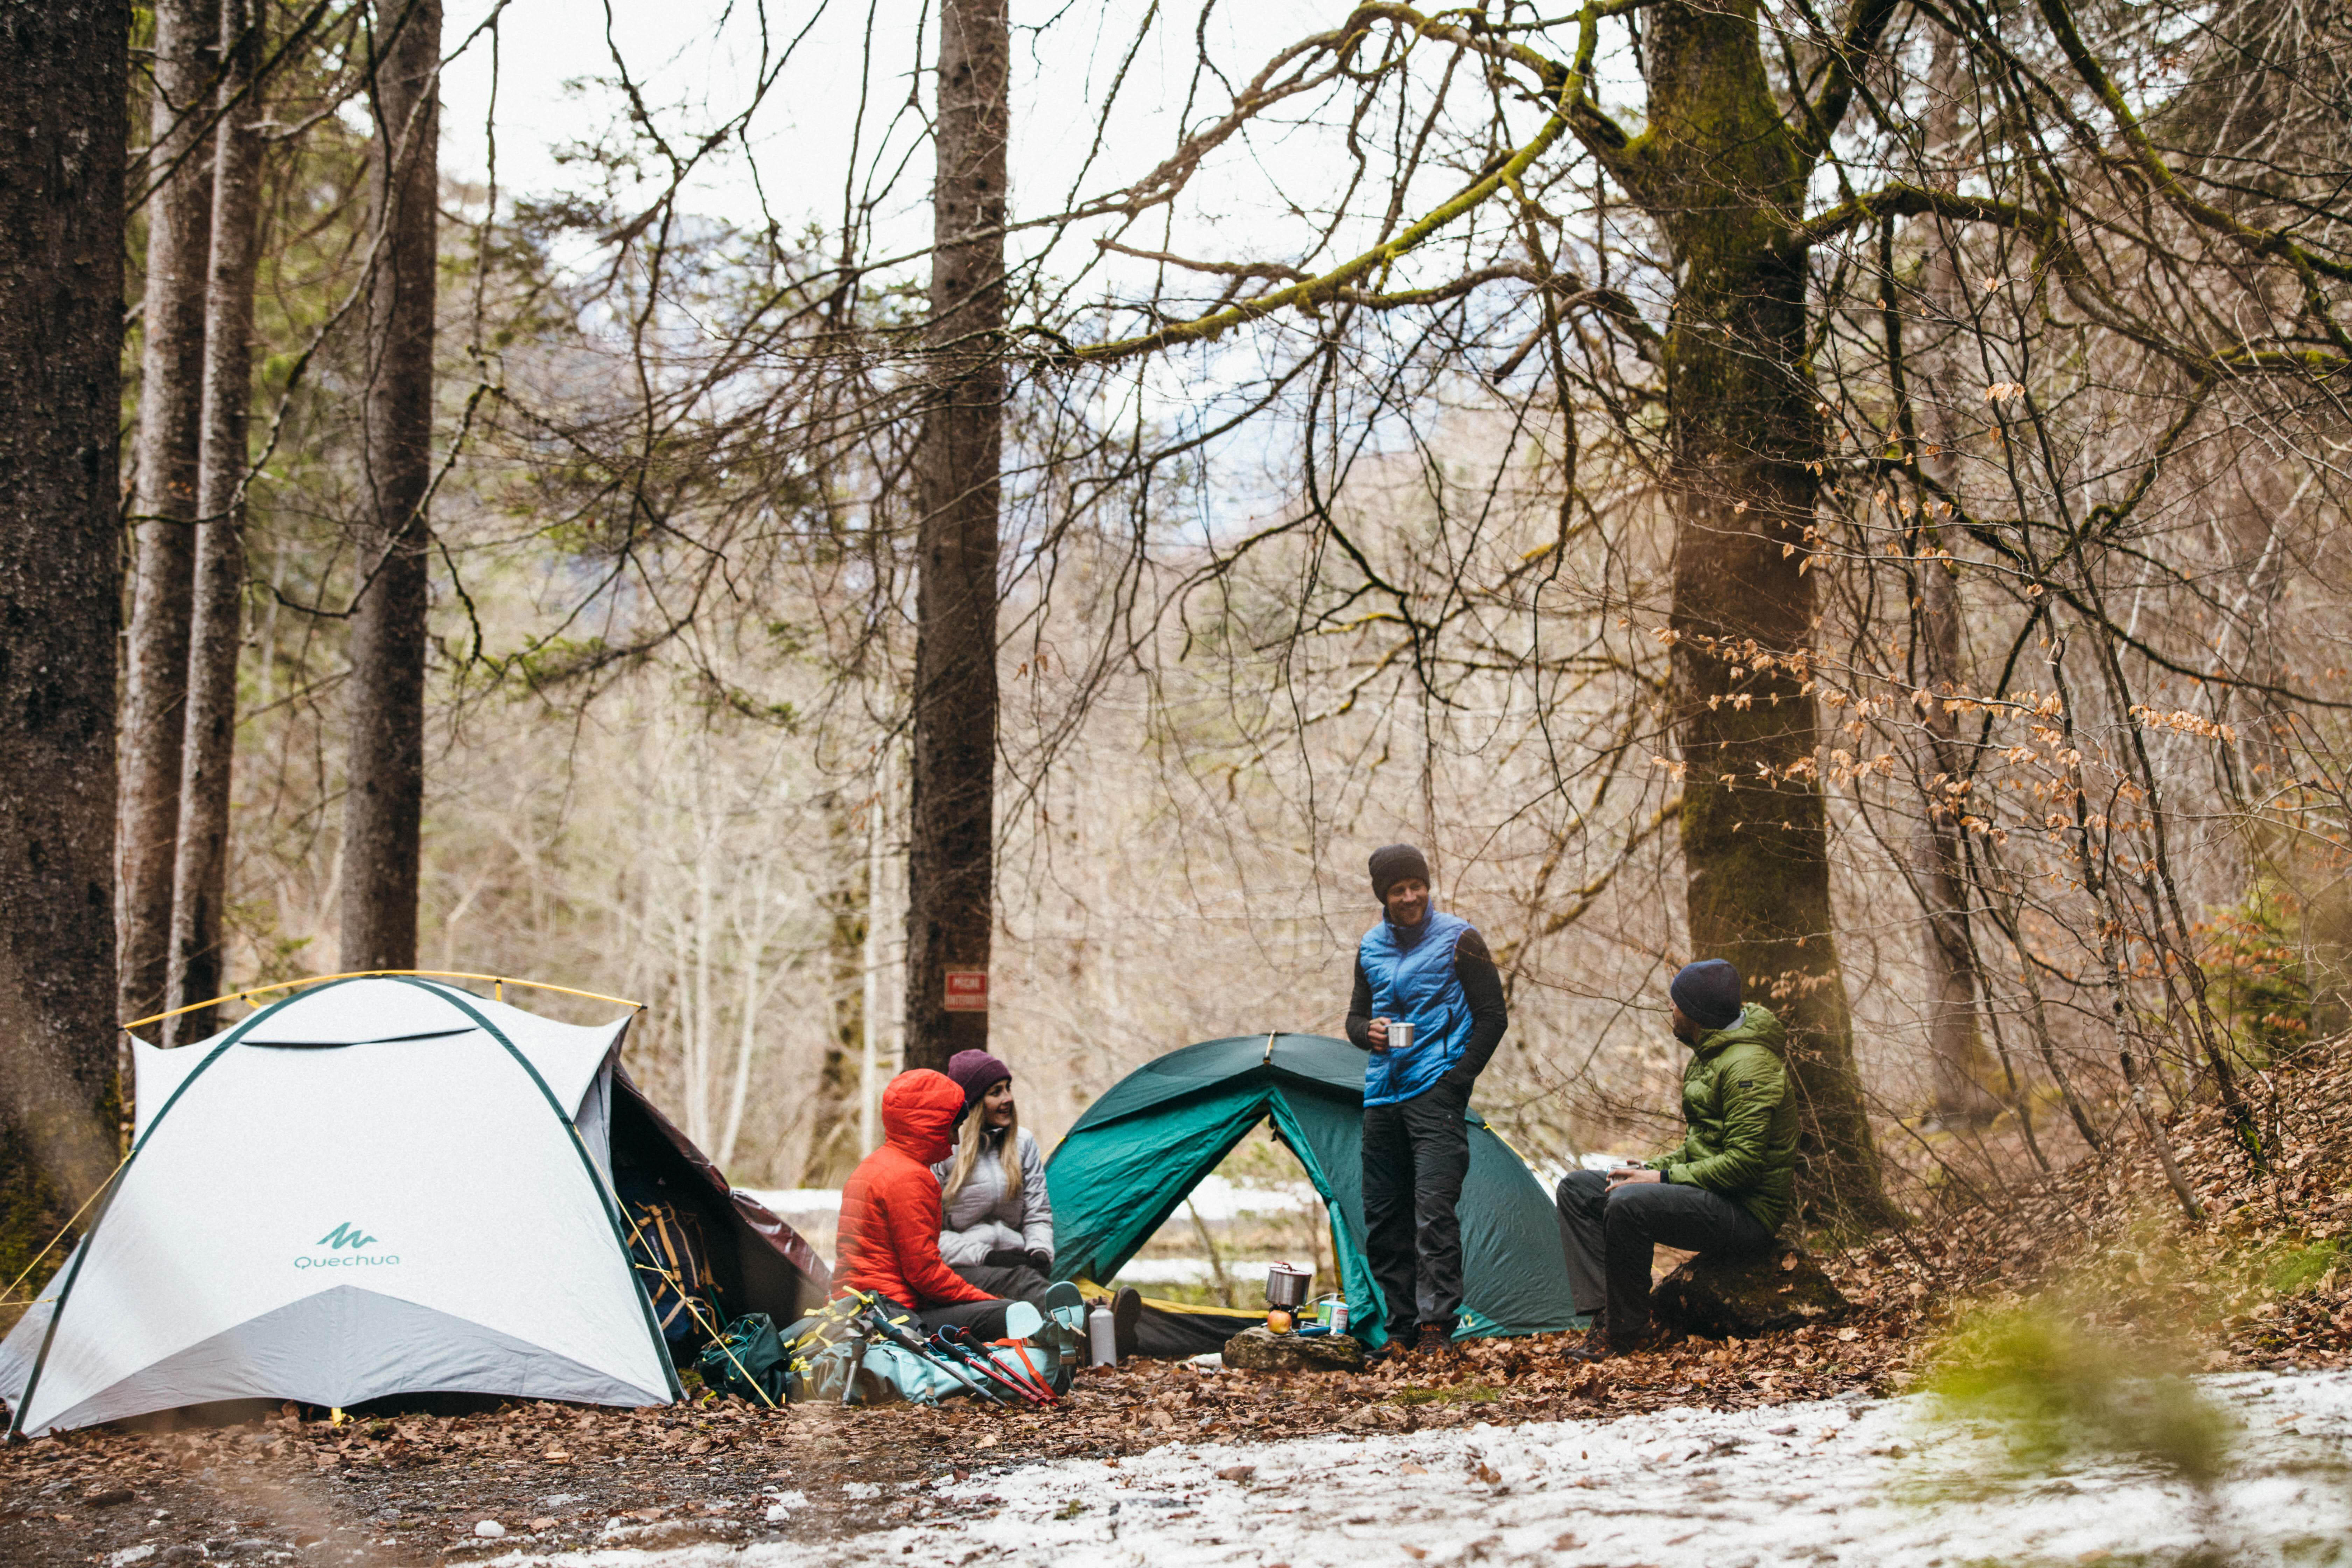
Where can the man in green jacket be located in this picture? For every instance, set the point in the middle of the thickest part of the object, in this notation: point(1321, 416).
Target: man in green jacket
point(1724, 1193)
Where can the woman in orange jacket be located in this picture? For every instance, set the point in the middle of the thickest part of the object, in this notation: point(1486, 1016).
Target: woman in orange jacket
point(889, 1235)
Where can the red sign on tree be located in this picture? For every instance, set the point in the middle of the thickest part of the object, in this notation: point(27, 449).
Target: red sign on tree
point(967, 991)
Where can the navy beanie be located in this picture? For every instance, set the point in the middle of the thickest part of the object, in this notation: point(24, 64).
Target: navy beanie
point(1709, 993)
point(1391, 864)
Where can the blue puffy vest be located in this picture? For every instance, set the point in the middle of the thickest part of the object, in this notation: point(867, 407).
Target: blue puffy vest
point(1416, 984)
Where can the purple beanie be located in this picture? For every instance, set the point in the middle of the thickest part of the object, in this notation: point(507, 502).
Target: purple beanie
point(976, 1072)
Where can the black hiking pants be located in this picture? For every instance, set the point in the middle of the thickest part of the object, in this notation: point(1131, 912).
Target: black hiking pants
point(1416, 1152)
point(1610, 1237)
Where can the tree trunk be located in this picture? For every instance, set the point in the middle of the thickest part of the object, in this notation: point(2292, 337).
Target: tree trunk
point(63, 141)
point(384, 803)
point(1948, 954)
point(1724, 178)
point(833, 1150)
point(951, 828)
point(164, 461)
point(200, 872)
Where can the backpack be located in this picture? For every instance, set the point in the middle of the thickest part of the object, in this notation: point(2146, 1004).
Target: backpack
point(665, 1245)
point(747, 1361)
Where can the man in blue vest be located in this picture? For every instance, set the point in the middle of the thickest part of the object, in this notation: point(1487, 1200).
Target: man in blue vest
point(1432, 970)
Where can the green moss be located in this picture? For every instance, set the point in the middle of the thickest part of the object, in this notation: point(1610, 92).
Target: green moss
point(2290, 1269)
point(2054, 1387)
point(1452, 1393)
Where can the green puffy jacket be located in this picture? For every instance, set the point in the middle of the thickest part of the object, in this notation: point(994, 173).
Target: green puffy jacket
point(1742, 1115)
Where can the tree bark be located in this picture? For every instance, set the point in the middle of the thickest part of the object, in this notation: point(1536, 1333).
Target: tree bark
point(951, 847)
point(165, 463)
point(833, 1149)
point(199, 870)
point(1948, 950)
point(1724, 177)
point(63, 65)
point(384, 801)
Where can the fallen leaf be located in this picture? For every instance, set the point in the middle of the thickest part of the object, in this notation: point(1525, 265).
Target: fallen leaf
point(1236, 1472)
point(545, 1523)
point(1410, 1469)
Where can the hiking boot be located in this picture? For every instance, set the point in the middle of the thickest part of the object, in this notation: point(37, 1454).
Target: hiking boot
point(1591, 1345)
point(1430, 1340)
point(1598, 1344)
point(1125, 1313)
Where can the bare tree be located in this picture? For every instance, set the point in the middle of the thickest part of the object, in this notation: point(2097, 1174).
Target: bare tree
point(62, 70)
point(386, 774)
point(164, 464)
point(200, 872)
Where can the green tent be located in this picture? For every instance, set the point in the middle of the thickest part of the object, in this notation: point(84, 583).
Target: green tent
point(1138, 1152)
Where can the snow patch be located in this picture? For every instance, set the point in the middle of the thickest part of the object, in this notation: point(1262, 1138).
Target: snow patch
point(1871, 1483)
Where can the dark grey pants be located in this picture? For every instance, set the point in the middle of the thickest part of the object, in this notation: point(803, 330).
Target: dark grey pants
point(1609, 1237)
point(984, 1319)
point(1416, 1152)
point(1014, 1282)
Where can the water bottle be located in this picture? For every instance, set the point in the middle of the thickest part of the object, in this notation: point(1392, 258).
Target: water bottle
point(1337, 1316)
point(1102, 1337)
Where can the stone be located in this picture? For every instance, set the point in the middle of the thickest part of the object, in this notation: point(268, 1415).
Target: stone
point(1262, 1350)
point(1722, 1299)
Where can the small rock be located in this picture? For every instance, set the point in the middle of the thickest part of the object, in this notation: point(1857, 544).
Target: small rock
point(1785, 1290)
point(489, 1530)
point(1262, 1350)
point(106, 1496)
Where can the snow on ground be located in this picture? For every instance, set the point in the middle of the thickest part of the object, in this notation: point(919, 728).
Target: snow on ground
point(1857, 1481)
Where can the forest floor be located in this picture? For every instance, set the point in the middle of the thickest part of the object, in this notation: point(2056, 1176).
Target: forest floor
point(2260, 1283)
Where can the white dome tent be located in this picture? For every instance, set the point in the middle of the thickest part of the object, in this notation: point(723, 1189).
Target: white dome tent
point(379, 1185)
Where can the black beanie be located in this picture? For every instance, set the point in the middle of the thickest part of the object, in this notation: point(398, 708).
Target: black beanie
point(1391, 864)
point(1709, 993)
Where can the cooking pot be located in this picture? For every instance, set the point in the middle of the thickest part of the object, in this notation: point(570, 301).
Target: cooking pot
point(1286, 1286)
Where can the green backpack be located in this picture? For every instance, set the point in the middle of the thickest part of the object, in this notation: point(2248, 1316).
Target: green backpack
point(746, 1361)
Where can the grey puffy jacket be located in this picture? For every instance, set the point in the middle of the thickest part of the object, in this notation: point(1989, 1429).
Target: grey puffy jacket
point(993, 1212)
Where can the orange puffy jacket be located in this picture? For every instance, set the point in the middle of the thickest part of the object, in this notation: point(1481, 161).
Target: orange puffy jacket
point(890, 1238)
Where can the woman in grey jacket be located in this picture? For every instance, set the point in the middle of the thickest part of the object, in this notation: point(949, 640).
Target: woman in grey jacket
point(997, 1227)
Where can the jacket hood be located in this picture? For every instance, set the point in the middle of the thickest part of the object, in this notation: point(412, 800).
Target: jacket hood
point(918, 1114)
point(1758, 1024)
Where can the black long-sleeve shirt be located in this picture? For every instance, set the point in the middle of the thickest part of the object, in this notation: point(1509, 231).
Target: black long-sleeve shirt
point(1482, 987)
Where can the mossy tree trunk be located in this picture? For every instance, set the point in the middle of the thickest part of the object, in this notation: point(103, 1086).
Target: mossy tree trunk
point(63, 67)
point(1723, 174)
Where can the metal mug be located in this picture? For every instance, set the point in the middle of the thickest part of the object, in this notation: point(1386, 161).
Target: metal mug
point(1400, 1034)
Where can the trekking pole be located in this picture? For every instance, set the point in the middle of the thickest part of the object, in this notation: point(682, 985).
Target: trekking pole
point(914, 1344)
point(987, 1366)
point(969, 1345)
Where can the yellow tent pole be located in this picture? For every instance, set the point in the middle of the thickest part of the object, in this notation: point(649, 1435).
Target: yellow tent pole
point(497, 983)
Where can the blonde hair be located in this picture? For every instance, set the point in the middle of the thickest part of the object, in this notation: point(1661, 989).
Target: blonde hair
point(967, 1148)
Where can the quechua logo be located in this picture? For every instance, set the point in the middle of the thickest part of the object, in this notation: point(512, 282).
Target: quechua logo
point(346, 1247)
